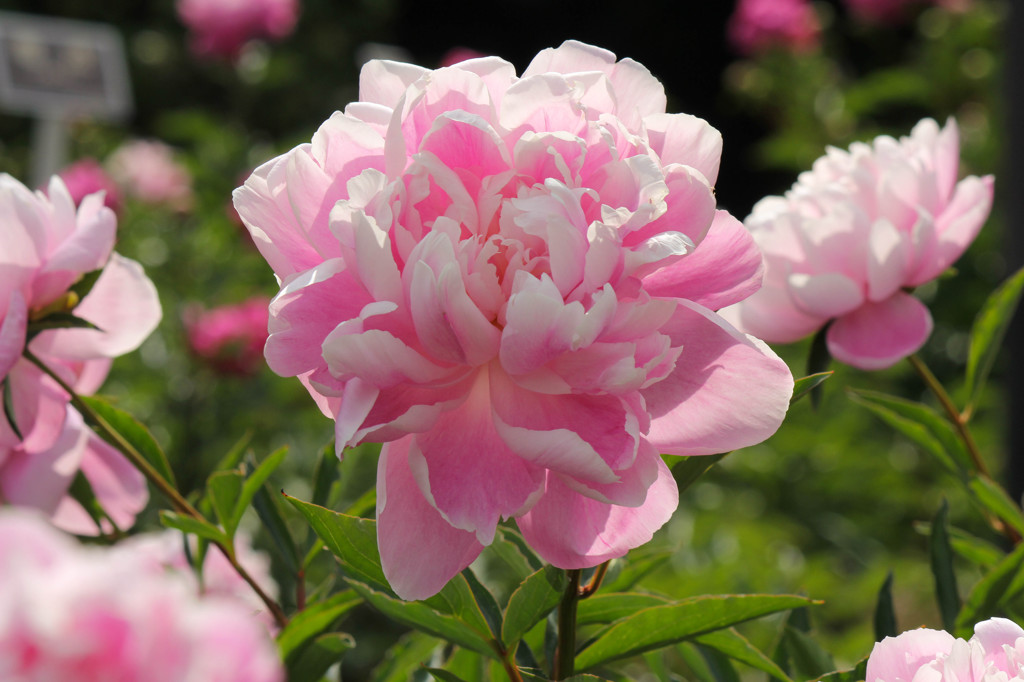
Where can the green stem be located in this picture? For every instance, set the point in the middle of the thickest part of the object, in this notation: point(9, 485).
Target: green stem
point(159, 482)
point(565, 655)
point(959, 422)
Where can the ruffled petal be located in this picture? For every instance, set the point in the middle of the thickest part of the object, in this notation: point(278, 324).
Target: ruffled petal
point(419, 550)
point(878, 335)
point(727, 391)
point(570, 530)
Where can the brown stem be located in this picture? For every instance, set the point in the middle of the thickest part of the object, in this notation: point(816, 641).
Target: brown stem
point(159, 482)
point(595, 582)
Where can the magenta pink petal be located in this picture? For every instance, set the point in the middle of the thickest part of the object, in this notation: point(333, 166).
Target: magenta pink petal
point(724, 269)
point(419, 550)
point(468, 473)
point(878, 335)
point(570, 530)
point(727, 391)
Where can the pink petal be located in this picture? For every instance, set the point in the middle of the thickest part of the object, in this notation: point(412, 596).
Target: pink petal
point(828, 294)
point(889, 256)
point(686, 139)
point(40, 405)
point(584, 436)
point(570, 530)
point(383, 82)
point(123, 304)
point(419, 550)
point(769, 314)
point(900, 658)
point(691, 208)
point(12, 333)
point(878, 335)
point(468, 473)
point(40, 478)
point(632, 484)
point(958, 225)
point(727, 391)
point(995, 635)
point(119, 487)
point(724, 269)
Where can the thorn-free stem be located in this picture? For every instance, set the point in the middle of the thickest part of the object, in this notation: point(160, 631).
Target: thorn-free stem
point(565, 655)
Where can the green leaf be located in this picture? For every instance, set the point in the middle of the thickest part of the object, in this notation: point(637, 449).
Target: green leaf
point(922, 425)
point(607, 608)
point(660, 626)
point(255, 480)
point(56, 320)
point(737, 647)
point(422, 617)
point(188, 524)
point(804, 385)
point(318, 656)
point(405, 657)
point(224, 489)
point(267, 506)
point(132, 431)
point(988, 332)
point(623, 575)
point(313, 621)
point(968, 546)
point(807, 659)
point(85, 283)
point(325, 475)
point(855, 674)
point(942, 568)
point(719, 666)
point(444, 675)
point(512, 548)
point(9, 413)
point(995, 501)
point(885, 614)
point(687, 470)
point(458, 599)
point(233, 457)
point(81, 492)
point(1001, 584)
point(485, 602)
point(540, 676)
point(531, 602)
point(352, 539)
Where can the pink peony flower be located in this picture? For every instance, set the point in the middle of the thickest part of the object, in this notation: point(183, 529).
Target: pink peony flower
point(759, 25)
point(86, 177)
point(221, 27)
point(45, 247)
point(77, 613)
point(230, 338)
point(511, 282)
point(994, 654)
point(853, 235)
point(165, 551)
point(147, 170)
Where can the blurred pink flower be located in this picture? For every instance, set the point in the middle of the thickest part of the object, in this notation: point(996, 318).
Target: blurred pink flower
point(511, 281)
point(78, 613)
point(221, 27)
point(148, 171)
point(45, 247)
point(230, 338)
point(459, 54)
point(166, 551)
point(760, 25)
point(87, 176)
point(854, 234)
point(994, 654)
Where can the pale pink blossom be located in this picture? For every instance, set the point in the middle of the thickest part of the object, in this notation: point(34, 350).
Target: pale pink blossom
point(221, 27)
point(165, 551)
point(854, 235)
point(760, 25)
point(148, 171)
point(994, 654)
point(87, 176)
point(459, 54)
point(46, 245)
point(75, 613)
point(230, 338)
point(511, 282)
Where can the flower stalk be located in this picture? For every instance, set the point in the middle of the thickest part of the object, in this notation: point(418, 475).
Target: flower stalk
point(565, 655)
point(177, 500)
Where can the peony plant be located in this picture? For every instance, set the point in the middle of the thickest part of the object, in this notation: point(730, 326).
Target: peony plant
point(512, 282)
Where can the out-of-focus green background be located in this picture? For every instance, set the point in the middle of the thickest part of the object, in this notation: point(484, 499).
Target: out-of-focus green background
point(828, 506)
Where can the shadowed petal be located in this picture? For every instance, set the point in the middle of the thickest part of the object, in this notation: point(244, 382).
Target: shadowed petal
point(878, 335)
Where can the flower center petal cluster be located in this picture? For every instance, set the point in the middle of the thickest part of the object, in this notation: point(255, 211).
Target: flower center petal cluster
point(46, 246)
point(77, 613)
point(994, 654)
point(510, 280)
point(854, 234)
